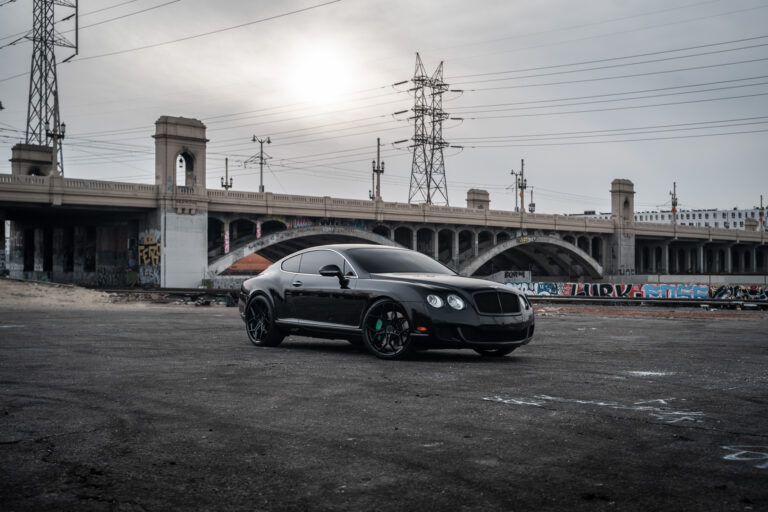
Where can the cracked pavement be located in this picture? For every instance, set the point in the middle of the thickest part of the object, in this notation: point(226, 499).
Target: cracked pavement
point(171, 408)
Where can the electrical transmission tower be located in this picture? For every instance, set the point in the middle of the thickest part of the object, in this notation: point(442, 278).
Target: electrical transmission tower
point(437, 186)
point(419, 189)
point(428, 182)
point(43, 120)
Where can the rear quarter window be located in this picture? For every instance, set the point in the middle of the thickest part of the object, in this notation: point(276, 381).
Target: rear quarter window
point(291, 264)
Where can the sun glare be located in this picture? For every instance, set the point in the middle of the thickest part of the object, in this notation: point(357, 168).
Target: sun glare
point(319, 75)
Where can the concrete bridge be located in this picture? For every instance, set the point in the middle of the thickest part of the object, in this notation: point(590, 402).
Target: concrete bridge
point(177, 233)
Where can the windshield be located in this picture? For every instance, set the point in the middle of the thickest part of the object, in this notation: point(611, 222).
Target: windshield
point(383, 261)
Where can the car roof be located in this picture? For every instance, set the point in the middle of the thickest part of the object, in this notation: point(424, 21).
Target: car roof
point(344, 247)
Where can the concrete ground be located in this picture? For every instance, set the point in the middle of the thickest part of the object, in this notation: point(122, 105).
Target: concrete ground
point(144, 407)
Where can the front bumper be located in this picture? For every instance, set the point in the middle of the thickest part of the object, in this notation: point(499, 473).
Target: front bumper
point(446, 328)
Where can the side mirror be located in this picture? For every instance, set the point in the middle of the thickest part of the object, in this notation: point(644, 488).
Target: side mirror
point(334, 270)
point(331, 271)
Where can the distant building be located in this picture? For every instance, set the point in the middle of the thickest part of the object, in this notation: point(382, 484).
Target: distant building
point(737, 218)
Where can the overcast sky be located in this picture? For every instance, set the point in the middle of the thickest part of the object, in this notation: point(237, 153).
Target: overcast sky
point(655, 91)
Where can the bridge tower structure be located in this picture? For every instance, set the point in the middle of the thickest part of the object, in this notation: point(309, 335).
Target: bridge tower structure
point(622, 241)
point(180, 224)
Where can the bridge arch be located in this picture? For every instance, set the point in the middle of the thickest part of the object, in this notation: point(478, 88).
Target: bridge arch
point(557, 248)
point(282, 243)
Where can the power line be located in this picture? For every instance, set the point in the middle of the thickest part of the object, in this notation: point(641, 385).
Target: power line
point(649, 96)
point(630, 107)
point(637, 55)
point(618, 129)
point(204, 34)
point(614, 93)
point(621, 140)
point(638, 132)
point(617, 77)
point(82, 15)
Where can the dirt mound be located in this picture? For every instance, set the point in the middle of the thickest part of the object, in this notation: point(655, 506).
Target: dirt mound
point(21, 294)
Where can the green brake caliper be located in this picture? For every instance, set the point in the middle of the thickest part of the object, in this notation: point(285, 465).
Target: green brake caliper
point(379, 325)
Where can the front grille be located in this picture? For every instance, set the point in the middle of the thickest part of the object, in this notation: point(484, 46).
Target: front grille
point(497, 303)
point(478, 334)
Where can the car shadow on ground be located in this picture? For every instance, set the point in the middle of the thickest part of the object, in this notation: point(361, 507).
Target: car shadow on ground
point(306, 345)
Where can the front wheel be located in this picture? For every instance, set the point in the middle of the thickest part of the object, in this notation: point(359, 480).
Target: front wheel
point(387, 330)
point(260, 323)
point(494, 352)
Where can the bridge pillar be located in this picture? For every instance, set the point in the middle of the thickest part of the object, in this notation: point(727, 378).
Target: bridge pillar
point(475, 244)
point(2, 246)
point(728, 264)
point(665, 258)
point(225, 236)
point(700, 258)
point(753, 259)
point(455, 248)
point(434, 244)
point(622, 242)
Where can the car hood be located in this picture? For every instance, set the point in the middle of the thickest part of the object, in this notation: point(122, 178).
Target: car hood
point(468, 284)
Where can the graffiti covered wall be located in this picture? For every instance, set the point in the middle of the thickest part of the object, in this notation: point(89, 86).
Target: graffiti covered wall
point(643, 291)
point(149, 257)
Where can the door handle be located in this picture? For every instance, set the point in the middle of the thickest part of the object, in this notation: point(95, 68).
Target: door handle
point(297, 283)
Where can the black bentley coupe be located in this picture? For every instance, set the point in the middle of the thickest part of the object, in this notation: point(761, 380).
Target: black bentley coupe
point(393, 300)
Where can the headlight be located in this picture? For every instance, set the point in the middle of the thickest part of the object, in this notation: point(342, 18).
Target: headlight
point(435, 301)
point(456, 302)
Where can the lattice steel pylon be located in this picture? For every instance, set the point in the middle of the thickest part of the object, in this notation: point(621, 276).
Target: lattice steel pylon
point(419, 188)
point(437, 187)
point(43, 121)
point(428, 183)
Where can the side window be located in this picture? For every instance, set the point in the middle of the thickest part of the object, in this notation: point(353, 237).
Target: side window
point(348, 270)
point(291, 264)
point(313, 261)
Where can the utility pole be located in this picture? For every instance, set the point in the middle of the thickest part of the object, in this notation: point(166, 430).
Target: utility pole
point(261, 159)
point(522, 184)
point(674, 202)
point(762, 213)
point(377, 169)
point(226, 181)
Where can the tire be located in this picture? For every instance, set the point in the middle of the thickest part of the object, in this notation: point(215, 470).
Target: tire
point(494, 352)
point(387, 330)
point(260, 323)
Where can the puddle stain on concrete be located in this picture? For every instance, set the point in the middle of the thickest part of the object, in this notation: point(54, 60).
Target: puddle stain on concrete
point(661, 413)
point(748, 453)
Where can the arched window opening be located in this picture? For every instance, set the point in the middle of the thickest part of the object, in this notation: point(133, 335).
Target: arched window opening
point(185, 170)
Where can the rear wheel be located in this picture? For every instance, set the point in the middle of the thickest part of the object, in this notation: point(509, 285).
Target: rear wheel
point(494, 352)
point(387, 330)
point(260, 323)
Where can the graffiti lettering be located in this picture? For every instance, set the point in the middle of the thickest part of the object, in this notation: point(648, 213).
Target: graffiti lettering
point(149, 250)
point(642, 291)
point(740, 292)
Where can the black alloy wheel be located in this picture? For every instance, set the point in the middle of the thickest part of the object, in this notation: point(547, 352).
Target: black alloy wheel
point(494, 352)
point(387, 330)
point(260, 323)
